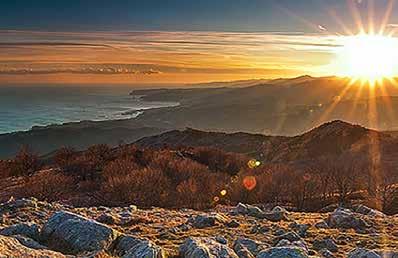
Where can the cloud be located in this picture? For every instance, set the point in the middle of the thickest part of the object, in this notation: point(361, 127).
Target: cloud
point(156, 52)
point(93, 69)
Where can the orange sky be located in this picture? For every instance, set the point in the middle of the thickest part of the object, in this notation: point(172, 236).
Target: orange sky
point(160, 57)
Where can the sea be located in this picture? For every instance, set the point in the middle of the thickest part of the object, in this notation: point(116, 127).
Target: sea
point(22, 107)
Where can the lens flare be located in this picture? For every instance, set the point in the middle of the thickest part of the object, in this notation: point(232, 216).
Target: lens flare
point(253, 163)
point(223, 192)
point(249, 182)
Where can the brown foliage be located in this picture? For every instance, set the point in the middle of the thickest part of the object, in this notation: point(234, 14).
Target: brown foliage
point(25, 163)
point(48, 185)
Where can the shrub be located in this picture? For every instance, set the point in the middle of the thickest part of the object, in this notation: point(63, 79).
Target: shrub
point(25, 163)
point(48, 185)
point(145, 187)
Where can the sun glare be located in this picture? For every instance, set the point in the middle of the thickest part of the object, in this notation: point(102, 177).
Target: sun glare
point(368, 57)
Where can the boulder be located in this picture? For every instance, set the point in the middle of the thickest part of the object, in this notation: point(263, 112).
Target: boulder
point(286, 243)
point(241, 209)
point(290, 236)
point(344, 218)
point(28, 242)
point(11, 247)
point(202, 247)
point(326, 253)
point(245, 247)
point(279, 252)
point(362, 209)
point(108, 219)
point(321, 224)
point(363, 253)
point(204, 221)
point(301, 229)
point(325, 243)
point(277, 214)
point(72, 234)
point(25, 229)
point(131, 247)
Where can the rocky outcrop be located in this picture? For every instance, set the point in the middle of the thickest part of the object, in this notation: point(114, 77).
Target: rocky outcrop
point(345, 218)
point(195, 247)
point(362, 209)
point(131, 247)
point(208, 220)
point(245, 247)
point(277, 252)
point(24, 229)
point(11, 247)
point(366, 253)
point(39, 228)
point(72, 234)
point(276, 214)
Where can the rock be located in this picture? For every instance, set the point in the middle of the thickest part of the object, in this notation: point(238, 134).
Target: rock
point(362, 209)
point(25, 229)
point(204, 221)
point(11, 247)
point(301, 229)
point(107, 219)
point(245, 246)
point(321, 224)
point(325, 243)
point(254, 211)
point(242, 251)
point(344, 218)
point(277, 214)
point(280, 252)
point(221, 240)
point(285, 242)
point(73, 234)
point(131, 247)
point(232, 224)
point(363, 253)
point(259, 229)
point(28, 242)
point(202, 247)
point(326, 253)
point(241, 209)
point(291, 236)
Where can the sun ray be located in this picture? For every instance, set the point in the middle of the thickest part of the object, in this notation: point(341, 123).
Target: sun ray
point(337, 19)
point(386, 17)
point(371, 17)
point(356, 15)
point(325, 115)
point(357, 97)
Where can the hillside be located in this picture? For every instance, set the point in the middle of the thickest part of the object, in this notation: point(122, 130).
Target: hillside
point(332, 138)
point(286, 107)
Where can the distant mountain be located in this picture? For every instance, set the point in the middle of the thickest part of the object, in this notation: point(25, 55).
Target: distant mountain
point(285, 107)
point(333, 138)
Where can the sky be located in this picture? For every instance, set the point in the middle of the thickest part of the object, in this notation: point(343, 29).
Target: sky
point(178, 41)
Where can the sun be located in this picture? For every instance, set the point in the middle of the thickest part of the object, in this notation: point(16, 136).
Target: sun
point(368, 57)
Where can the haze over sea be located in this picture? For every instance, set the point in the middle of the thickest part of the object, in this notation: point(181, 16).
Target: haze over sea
point(26, 106)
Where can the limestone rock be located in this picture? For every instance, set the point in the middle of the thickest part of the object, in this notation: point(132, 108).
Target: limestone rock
point(363, 253)
point(70, 233)
point(344, 218)
point(25, 229)
point(202, 247)
point(280, 252)
point(245, 247)
point(204, 221)
point(325, 243)
point(131, 247)
point(11, 247)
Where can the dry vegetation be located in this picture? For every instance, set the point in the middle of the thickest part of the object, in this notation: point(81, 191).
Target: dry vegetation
point(197, 178)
